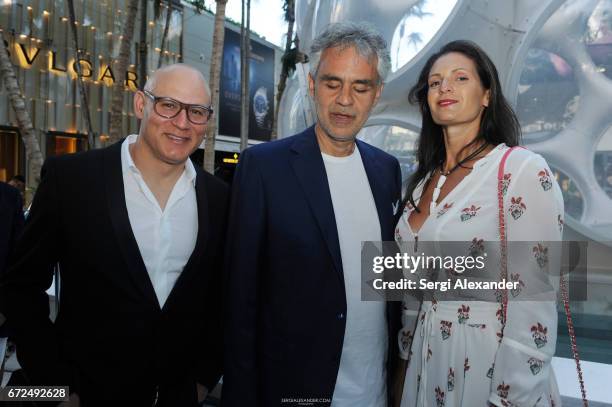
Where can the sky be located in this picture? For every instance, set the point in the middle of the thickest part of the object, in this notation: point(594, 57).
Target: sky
point(266, 18)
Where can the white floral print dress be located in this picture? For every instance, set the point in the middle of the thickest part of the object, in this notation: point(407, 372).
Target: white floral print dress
point(456, 351)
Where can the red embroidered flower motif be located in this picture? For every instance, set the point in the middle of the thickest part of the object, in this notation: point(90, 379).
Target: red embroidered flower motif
point(516, 278)
point(506, 183)
point(545, 181)
point(540, 252)
point(538, 332)
point(560, 222)
point(451, 379)
point(535, 365)
point(452, 273)
point(517, 207)
point(439, 397)
point(469, 213)
point(445, 329)
point(463, 313)
point(502, 390)
point(500, 336)
point(477, 247)
point(406, 340)
point(500, 315)
point(444, 209)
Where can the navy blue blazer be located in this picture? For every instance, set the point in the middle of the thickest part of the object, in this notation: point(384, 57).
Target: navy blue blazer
point(286, 304)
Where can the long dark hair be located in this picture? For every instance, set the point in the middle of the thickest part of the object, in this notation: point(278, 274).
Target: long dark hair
point(498, 123)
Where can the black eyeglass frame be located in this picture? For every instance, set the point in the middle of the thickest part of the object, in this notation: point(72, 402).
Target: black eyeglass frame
point(182, 105)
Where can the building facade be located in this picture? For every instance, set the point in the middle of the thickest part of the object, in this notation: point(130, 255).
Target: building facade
point(41, 46)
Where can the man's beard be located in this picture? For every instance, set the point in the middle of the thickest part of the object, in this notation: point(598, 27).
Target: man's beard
point(346, 139)
point(328, 133)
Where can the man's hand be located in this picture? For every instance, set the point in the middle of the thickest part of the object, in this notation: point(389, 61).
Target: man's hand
point(202, 392)
point(73, 401)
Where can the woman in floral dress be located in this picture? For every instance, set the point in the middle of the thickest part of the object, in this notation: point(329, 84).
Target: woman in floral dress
point(457, 350)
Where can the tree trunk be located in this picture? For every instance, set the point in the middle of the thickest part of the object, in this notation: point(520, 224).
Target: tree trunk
point(28, 134)
point(142, 47)
point(244, 70)
point(116, 117)
point(91, 136)
point(282, 82)
point(165, 35)
point(215, 74)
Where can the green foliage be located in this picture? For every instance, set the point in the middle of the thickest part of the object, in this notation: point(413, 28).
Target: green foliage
point(289, 60)
point(200, 5)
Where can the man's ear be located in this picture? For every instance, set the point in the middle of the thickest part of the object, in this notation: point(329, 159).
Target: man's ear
point(378, 94)
point(139, 105)
point(311, 85)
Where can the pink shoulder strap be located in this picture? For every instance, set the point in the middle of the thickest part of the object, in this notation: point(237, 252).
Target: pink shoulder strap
point(503, 242)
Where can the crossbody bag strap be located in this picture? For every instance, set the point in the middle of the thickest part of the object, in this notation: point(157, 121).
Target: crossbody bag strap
point(503, 242)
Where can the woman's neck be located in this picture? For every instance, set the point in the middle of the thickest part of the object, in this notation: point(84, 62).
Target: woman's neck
point(455, 139)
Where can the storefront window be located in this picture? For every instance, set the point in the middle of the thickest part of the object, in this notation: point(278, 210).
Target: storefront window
point(65, 143)
point(11, 154)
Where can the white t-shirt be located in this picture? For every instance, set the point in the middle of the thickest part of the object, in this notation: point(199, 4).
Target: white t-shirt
point(362, 375)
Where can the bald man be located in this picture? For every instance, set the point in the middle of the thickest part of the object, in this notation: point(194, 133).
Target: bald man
point(138, 233)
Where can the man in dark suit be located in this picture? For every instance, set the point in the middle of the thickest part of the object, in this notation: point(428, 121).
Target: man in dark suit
point(11, 221)
point(297, 332)
point(11, 225)
point(138, 233)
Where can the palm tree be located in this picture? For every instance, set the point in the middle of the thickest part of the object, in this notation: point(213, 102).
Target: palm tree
point(417, 9)
point(166, 28)
point(116, 116)
point(245, 48)
point(142, 47)
point(80, 79)
point(414, 39)
point(28, 134)
point(288, 61)
point(215, 73)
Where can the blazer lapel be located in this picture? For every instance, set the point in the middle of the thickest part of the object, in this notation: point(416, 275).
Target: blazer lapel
point(117, 209)
point(309, 169)
point(192, 264)
point(379, 187)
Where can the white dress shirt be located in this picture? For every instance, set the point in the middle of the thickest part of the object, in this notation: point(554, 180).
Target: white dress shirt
point(166, 238)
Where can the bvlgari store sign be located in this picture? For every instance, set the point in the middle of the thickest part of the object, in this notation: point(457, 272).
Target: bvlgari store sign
point(100, 73)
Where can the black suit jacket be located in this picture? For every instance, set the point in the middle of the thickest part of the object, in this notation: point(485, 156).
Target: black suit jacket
point(286, 303)
point(11, 225)
point(11, 221)
point(111, 342)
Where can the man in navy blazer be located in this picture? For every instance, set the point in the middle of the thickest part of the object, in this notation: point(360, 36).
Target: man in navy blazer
point(297, 332)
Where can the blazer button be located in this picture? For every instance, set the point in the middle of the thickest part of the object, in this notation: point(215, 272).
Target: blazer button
point(340, 315)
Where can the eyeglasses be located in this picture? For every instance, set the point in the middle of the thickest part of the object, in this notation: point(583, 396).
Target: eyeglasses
point(170, 108)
